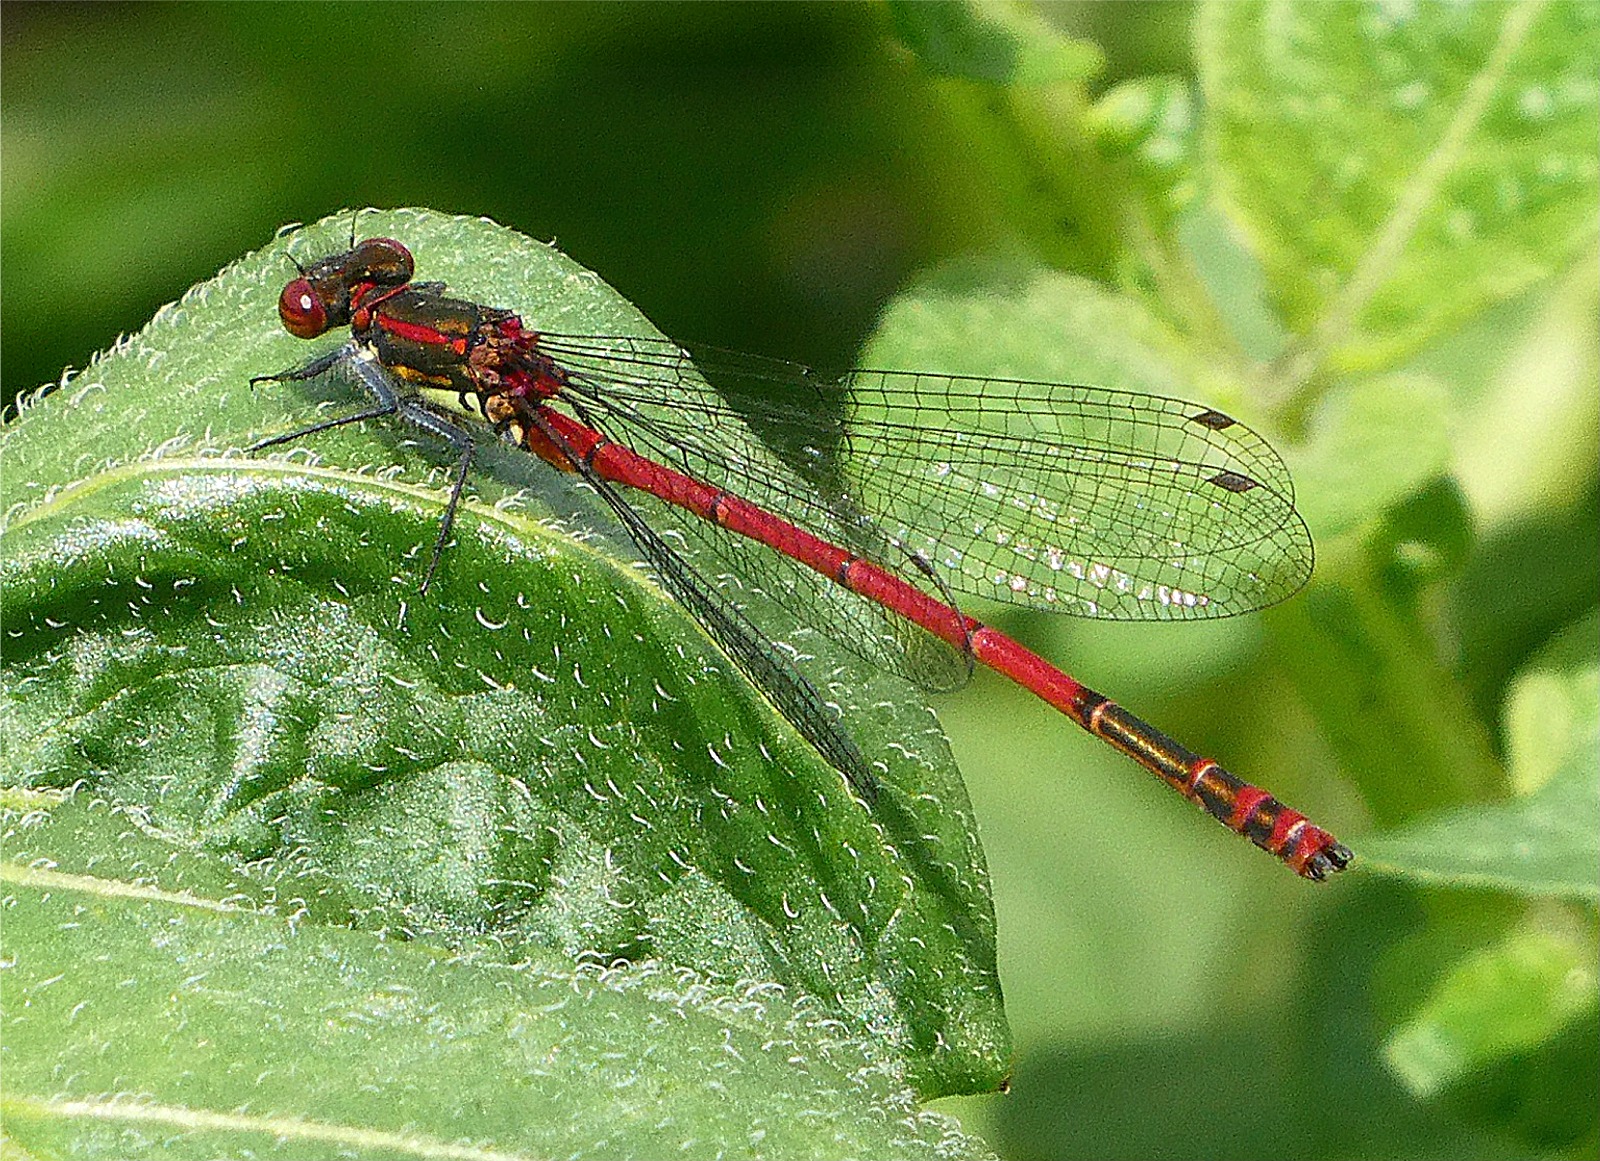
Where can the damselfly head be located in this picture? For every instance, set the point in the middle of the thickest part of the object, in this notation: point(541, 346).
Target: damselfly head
point(322, 297)
point(301, 311)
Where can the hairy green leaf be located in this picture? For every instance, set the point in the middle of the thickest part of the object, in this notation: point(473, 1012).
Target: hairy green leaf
point(154, 1011)
point(544, 751)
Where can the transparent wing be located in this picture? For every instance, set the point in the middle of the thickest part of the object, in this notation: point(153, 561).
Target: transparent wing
point(1077, 499)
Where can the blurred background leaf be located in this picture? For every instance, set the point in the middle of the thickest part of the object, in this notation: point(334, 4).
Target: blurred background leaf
point(767, 177)
point(1401, 169)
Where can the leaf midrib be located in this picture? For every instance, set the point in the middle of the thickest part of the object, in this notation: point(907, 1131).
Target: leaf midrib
point(1303, 358)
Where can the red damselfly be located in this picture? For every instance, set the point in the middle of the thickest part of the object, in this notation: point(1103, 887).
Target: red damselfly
point(1076, 499)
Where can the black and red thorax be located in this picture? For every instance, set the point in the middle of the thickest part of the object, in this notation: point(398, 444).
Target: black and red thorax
point(427, 339)
point(439, 343)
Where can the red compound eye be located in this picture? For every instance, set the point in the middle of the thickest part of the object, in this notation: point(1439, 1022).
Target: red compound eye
point(301, 310)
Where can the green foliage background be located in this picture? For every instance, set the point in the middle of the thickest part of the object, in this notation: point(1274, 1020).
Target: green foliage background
point(1367, 230)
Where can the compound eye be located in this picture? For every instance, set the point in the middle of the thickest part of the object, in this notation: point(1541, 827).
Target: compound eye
point(301, 310)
